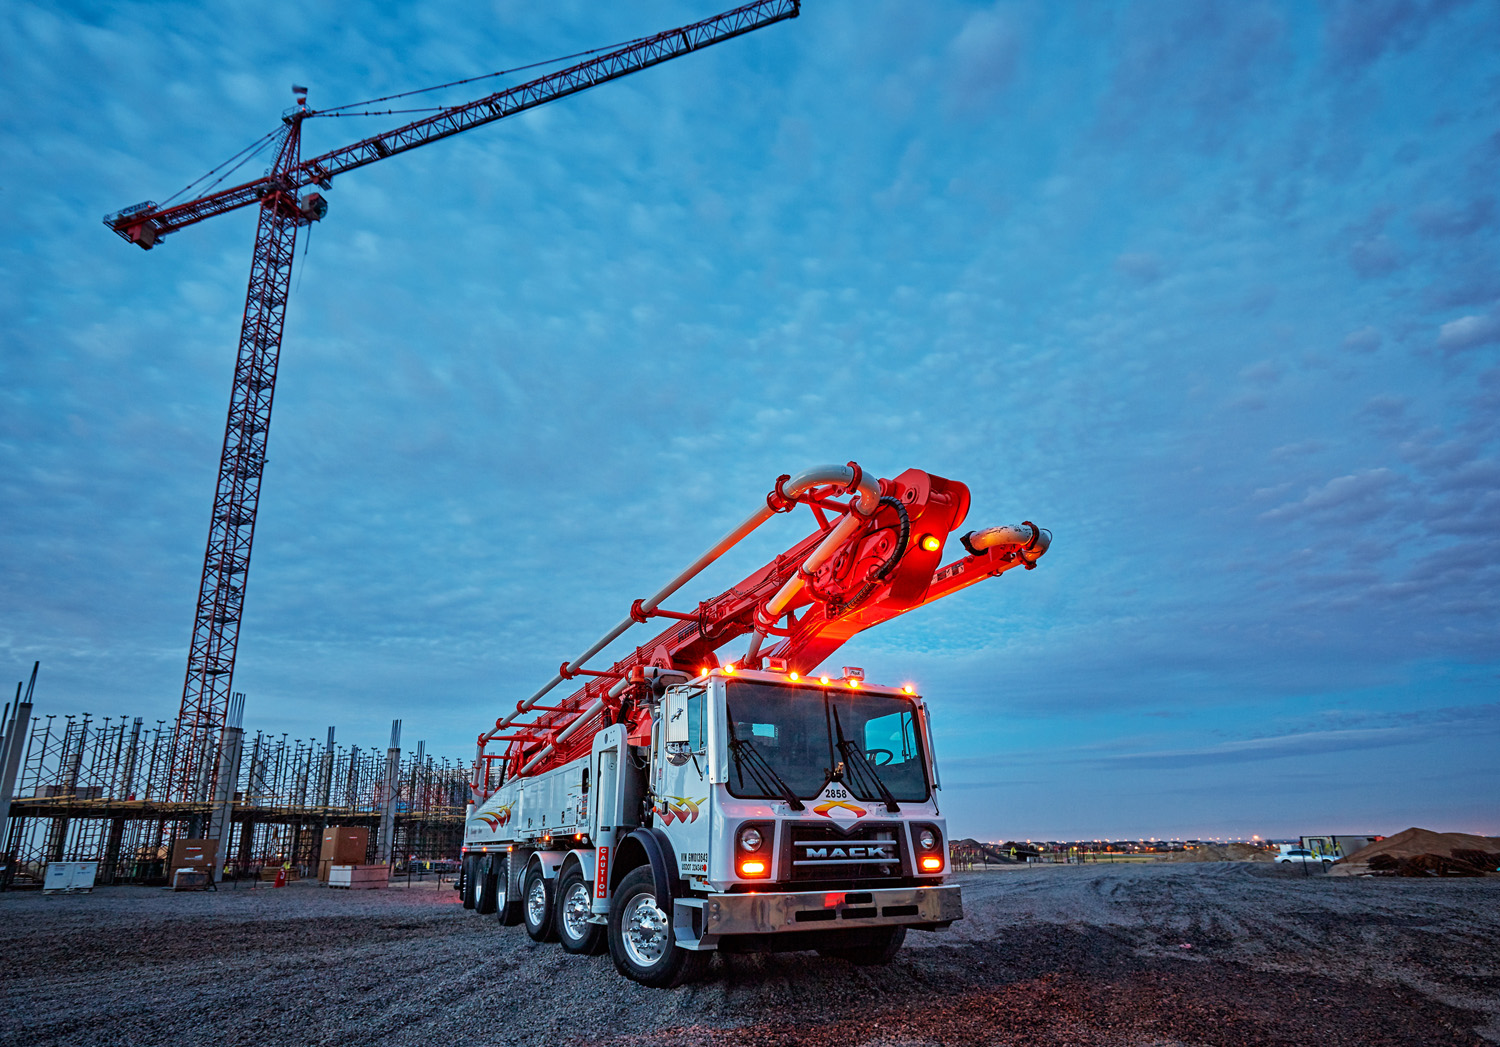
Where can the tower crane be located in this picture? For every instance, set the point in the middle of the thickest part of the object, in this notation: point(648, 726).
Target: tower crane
point(285, 204)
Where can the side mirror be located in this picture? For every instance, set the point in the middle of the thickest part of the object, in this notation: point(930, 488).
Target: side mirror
point(677, 716)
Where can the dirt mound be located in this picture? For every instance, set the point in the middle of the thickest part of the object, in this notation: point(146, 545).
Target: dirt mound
point(1422, 852)
point(1229, 852)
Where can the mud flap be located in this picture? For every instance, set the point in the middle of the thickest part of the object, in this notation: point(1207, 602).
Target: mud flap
point(508, 895)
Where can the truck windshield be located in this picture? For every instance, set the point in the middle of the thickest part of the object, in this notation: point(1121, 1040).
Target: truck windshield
point(791, 728)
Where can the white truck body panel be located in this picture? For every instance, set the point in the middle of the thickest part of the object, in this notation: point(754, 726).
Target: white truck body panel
point(582, 811)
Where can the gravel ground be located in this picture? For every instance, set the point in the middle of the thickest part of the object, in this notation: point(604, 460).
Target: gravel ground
point(1217, 953)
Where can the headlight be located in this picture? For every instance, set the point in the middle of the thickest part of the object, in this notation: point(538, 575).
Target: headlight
point(750, 840)
point(926, 840)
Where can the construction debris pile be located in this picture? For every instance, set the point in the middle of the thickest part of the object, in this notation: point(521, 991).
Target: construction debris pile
point(1422, 852)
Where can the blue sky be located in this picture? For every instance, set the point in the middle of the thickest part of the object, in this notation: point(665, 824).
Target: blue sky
point(1211, 290)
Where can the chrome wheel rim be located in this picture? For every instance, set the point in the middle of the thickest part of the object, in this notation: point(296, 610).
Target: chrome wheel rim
point(575, 911)
point(536, 903)
point(644, 930)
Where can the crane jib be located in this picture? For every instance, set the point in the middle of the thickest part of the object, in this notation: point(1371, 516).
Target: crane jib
point(145, 225)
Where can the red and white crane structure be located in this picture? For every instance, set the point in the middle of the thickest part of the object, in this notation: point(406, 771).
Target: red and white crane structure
point(285, 206)
point(874, 555)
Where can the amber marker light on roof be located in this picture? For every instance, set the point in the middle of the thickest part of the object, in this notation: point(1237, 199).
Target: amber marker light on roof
point(931, 542)
point(794, 677)
point(729, 669)
point(909, 689)
point(853, 683)
point(822, 679)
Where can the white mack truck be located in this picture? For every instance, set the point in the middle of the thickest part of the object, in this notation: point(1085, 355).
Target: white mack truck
point(676, 805)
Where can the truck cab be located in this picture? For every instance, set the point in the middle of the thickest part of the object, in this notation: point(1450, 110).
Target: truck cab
point(818, 785)
point(754, 811)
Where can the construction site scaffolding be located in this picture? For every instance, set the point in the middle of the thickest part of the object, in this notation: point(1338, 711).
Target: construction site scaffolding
point(101, 791)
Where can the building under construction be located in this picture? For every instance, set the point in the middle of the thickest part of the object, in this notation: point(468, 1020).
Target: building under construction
point(100, 790)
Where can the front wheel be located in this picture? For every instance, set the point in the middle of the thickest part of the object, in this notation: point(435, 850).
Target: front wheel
point(641, 940)
point(872, 947)
point(536, 906)
point(575, 902)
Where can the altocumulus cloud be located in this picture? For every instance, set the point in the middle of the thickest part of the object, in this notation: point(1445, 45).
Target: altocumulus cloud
point(1467, 332)
point(1168, 279)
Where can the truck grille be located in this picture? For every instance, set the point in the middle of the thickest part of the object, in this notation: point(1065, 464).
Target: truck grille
point(865, 852)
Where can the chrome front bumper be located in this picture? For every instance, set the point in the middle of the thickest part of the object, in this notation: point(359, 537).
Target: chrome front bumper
point(722, 914)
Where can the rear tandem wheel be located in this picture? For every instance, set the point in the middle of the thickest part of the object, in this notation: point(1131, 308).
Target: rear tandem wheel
point(537, 898)
point(574, 903)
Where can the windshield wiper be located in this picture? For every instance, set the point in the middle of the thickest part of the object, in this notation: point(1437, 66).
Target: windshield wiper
point(746, 755)
point(848, 750)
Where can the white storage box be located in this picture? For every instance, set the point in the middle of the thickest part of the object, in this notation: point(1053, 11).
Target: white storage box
point(69, 876)
point(358, 877)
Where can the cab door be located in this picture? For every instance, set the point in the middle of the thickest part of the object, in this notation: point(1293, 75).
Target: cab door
point(682, 809)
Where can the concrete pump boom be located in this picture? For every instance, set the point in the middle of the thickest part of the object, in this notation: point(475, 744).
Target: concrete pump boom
point(877, 556)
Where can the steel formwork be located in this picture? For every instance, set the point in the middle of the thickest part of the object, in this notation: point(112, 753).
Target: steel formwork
point(103, 790)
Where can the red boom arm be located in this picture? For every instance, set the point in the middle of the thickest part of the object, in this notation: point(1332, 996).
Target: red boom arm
point(886, 564)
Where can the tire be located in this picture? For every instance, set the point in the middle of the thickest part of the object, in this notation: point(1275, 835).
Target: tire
point(574, 905)
point(484, 885)
point(872, 947)
point(467, 872)
point(537, 907)
point(640, 937)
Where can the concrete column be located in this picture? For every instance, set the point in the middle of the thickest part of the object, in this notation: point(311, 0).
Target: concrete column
point(226, 777)
point(230, 743)
point(247, 843)
point(325, 795)
point(385, 843)
point(10, 762)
